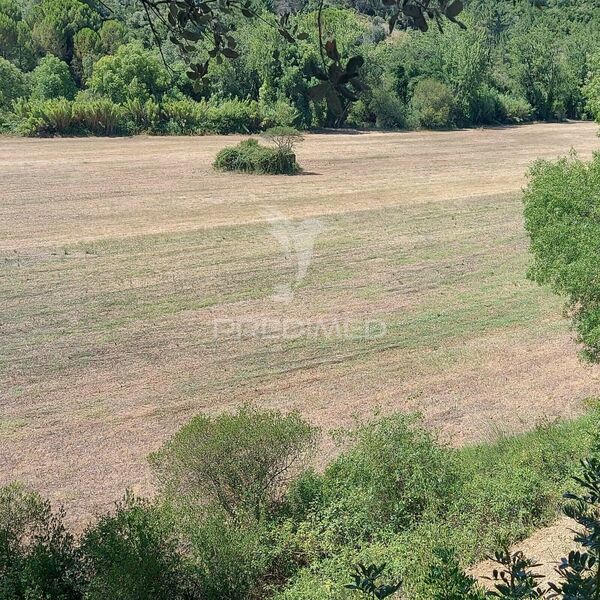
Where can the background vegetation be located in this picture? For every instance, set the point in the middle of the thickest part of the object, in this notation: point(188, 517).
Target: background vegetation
point(239, 514)
point(76, 67)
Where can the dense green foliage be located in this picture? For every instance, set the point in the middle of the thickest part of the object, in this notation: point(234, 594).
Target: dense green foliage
point(238, 515)
point(562, 217)
point(239, 462)
point(250, 157)
point(513, 62)
point(52, 79)
point(38, 558)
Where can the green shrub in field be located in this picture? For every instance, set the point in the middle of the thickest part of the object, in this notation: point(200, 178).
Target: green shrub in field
point(280, 113)
point(432, 104)
point(285, 139)
point(486, 107)
point(185, 117)
point(44, 117)
point(250, 157)
point(52, 79)
point(396, 469)
point(241, 462)
point(100, 117)
point(562, 217)
point(142, 116)
point(132, 554)
point(233, 116)
point(38, 558)
point(514, 110)
point(388, 109)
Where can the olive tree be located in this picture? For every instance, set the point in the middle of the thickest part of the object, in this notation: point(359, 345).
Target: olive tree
point(241, 462)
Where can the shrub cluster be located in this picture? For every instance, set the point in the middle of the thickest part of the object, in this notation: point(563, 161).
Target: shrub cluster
point(238, 515)
point(103, 117)
point(250, 157)
point(512, 63)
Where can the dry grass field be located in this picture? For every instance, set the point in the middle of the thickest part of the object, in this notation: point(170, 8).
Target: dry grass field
point(125, 265)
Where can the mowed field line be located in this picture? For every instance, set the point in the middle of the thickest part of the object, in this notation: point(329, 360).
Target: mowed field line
point(124, 263)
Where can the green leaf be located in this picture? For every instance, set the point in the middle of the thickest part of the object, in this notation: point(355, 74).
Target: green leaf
point(287, 35)
point(319, 92)
point(229, 53)
point(354, 64)
point(331, 50)
point(454, 9)
point(334, 104)
point(412, 11)
point(191, 36)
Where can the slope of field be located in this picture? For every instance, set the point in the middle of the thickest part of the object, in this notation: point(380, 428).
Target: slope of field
point(138, 287)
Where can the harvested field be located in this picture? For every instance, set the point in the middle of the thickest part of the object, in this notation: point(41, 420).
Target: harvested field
point(137, 289)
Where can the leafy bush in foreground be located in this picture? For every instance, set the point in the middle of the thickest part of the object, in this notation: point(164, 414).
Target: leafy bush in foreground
point(470, 501)
point(229, 526)
point(250, 157)
point(562, 217)
point(132, 554)
point(240, 462)
point(38, 558)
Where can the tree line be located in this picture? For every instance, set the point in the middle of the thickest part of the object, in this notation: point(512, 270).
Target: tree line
point(70, 66)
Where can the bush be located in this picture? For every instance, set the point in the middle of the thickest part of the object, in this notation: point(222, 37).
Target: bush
point(44, 117)
point(52, 79)
point(240, 462)
point(132, 555)
point(13, 84)
point(100, 117)
point(229, 560)
point(433, 104)
point(388, 108)
point(394, 473)
point(446, 579)
point(562, 217)
point(486, 107)
point(37, 555)
point(470, 501)
point(142, 116)
point(233, 116)
point(131, 73)
point(280, 113)
point(185, 117)
point(285, 139)
point(250, 157)
point(514, 110)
